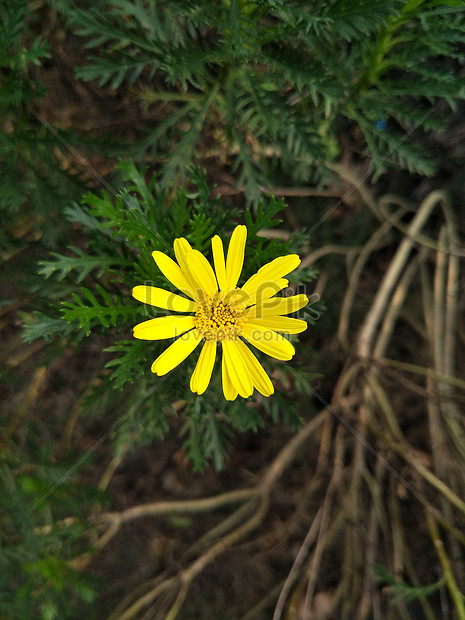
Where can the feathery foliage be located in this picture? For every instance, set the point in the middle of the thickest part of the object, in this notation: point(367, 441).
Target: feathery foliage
point(37, 547)
point(33, 187)
point(275, 81)
point(401, 591)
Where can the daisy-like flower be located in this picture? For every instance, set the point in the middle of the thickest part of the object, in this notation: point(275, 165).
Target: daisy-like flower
point(212, 310)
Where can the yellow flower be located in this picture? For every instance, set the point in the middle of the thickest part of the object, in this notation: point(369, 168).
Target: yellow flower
point(215, 310)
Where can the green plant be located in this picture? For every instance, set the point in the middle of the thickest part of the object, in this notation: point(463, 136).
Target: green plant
point(33, 186)
point(401, 591)
point(121, 232)
point(270, 84)
point(40, 544)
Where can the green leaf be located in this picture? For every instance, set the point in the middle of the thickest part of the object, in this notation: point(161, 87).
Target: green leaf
point(82, 263)
point(130, 363)
point(264, 216)
point(403, 591)
point(88, 310)
point(39, 325)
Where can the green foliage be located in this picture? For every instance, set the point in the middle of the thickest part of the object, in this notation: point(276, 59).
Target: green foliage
point(40, 325)
point(31, 181)
point(274, 81)
point(15, 57)
point(206, 434)
point(144, 410)
point(264, 218)
point(88, 309)
point(401, 591)
point(37, 579)
point(81, 262)
point(128, 364)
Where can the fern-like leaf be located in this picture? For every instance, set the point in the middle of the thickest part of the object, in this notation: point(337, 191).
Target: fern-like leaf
point(82, 263)
point(39, 325)
point(130, 362)
point(88, 310)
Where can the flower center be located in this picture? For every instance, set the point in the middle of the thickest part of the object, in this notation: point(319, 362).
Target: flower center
point(220, 317)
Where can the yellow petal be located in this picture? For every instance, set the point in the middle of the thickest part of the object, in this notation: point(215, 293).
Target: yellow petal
point(229, 391)
point(201, 273)
point(173, 272)
point(203, 369)
point(277, 306)
point(218, 261)
point(268, 341)
point(259, 377)
point(182, 247)
point(237, 369)
point(163, 327)
point(283, 324)
point(176, 352)
point(235, 258)
point(271, 272)
point(267, 290)
point(162, 299)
